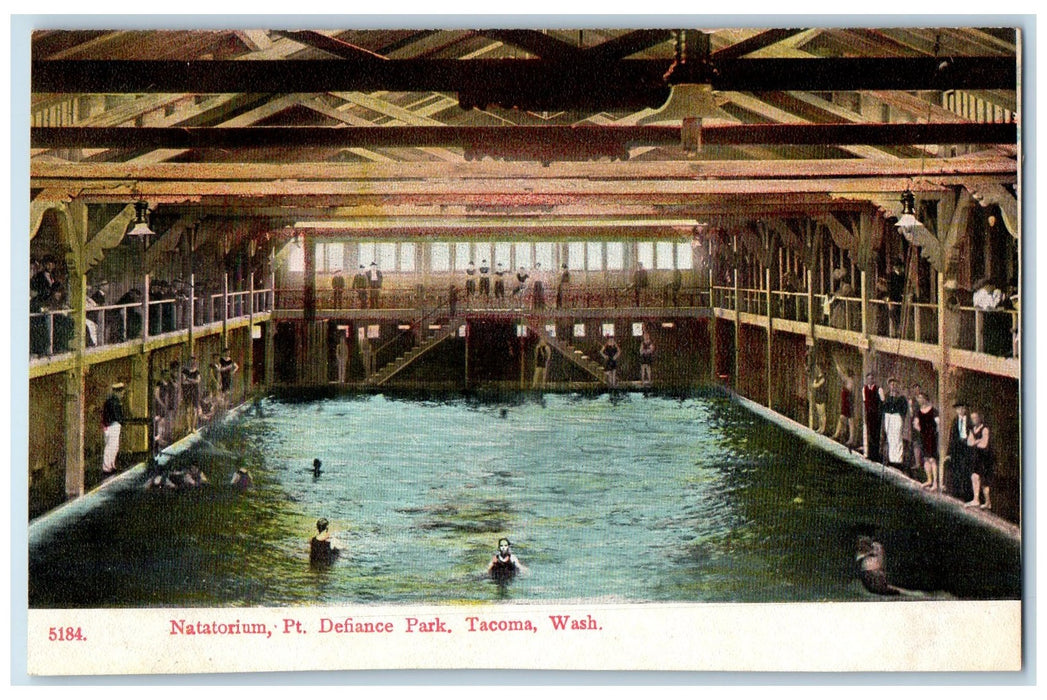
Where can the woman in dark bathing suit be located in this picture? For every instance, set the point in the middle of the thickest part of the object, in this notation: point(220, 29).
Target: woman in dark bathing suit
point(504, 565)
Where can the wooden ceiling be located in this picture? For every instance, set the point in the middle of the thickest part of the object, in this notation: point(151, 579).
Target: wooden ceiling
point(381, 132)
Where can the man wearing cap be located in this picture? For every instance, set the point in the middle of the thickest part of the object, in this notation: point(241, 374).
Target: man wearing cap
point(112, 417)
point(959, 454)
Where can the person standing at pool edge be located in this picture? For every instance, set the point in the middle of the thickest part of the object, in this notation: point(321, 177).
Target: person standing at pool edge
point(112, 417)
point(610, 355)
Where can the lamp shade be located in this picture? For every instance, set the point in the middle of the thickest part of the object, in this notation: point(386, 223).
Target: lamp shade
point(141, 227)
point(688, 100)
point(907, 222)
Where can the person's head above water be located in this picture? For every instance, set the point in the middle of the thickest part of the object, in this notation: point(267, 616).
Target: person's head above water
point(321, 525)
point(503, 545)
point(316, 463)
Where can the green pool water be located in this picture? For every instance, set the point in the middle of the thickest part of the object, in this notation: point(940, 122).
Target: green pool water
point(609, 497)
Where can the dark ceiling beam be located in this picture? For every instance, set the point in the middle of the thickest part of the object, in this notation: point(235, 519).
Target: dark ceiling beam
point(335, 47)
point(627, 44)
point(623, 82)
point(755, 43)
point(491, 139)
point(534, 42)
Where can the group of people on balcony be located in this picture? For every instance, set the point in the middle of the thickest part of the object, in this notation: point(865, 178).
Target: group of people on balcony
point(488, 286)
point(902, 431)
point(51, 327)
point(366, 287)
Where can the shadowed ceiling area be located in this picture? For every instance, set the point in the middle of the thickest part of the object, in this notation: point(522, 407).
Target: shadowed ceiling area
point(406, 131)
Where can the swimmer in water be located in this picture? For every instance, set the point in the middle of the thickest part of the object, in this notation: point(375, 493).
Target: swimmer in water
point(316, 468)
point(242, 479)
point(322, 551)
point(872, 569)
point(504, 564)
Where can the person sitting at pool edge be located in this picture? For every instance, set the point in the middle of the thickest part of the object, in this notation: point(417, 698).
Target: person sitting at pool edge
point(504, 564)
point(322, 551)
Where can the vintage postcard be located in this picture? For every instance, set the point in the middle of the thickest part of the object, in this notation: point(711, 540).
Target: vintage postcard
point(559, 348)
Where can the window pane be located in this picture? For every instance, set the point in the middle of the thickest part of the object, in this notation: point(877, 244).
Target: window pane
point(664, 250)
point(367, 254)
point(615, 253)
point(386, 256)
point(481, 252)
point(440, 257)
point(607, 330)
point(335, 257)
point(683, 256)
point(637, 330)
point(576, 256)
point(543, 253)
point(502, 255)
point(462, 256)
point(407, 257)
point(645, 254)
point(594, 255)
point(295, 257)
point(523, 254)
point(579, 330)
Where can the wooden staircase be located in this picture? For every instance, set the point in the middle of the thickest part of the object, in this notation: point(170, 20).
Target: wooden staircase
point(449, 329)
point(573, 354)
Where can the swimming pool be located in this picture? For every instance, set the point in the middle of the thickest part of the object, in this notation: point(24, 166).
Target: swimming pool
point(606, 497)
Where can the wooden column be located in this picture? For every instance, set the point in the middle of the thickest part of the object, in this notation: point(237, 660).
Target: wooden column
point(810, 346)
point(737, 317)
point(138, 405)
point(74, 378)
point(309, 279)
point(248, 380)
point(770, 335)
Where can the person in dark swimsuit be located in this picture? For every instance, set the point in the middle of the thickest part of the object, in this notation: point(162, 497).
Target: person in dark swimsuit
point(646, 358)
point(981, 461)
point(610, 355)
point(872, 397)
point(322, 551)
point(926, 421)
point(846, 420)
point(504, 565)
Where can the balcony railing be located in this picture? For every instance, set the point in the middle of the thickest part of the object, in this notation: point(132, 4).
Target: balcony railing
point(574, 296)
point(991, 331)
point(51, 332)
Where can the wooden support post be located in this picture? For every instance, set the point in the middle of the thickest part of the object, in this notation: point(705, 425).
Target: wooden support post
point(248, 380)
point(737, 322)
point(770, 335)
point(810, 345)
point(946, 385)
point(225, 310)
point(864, 281)
point(467, 333)
point(138, 404)
point(191, 331)
point(145, 308)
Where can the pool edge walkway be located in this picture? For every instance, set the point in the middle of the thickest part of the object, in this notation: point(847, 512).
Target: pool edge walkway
point(897, 478)
point(38, 528)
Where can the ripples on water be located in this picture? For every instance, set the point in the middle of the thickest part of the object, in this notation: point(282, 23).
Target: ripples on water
point(615, 497)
